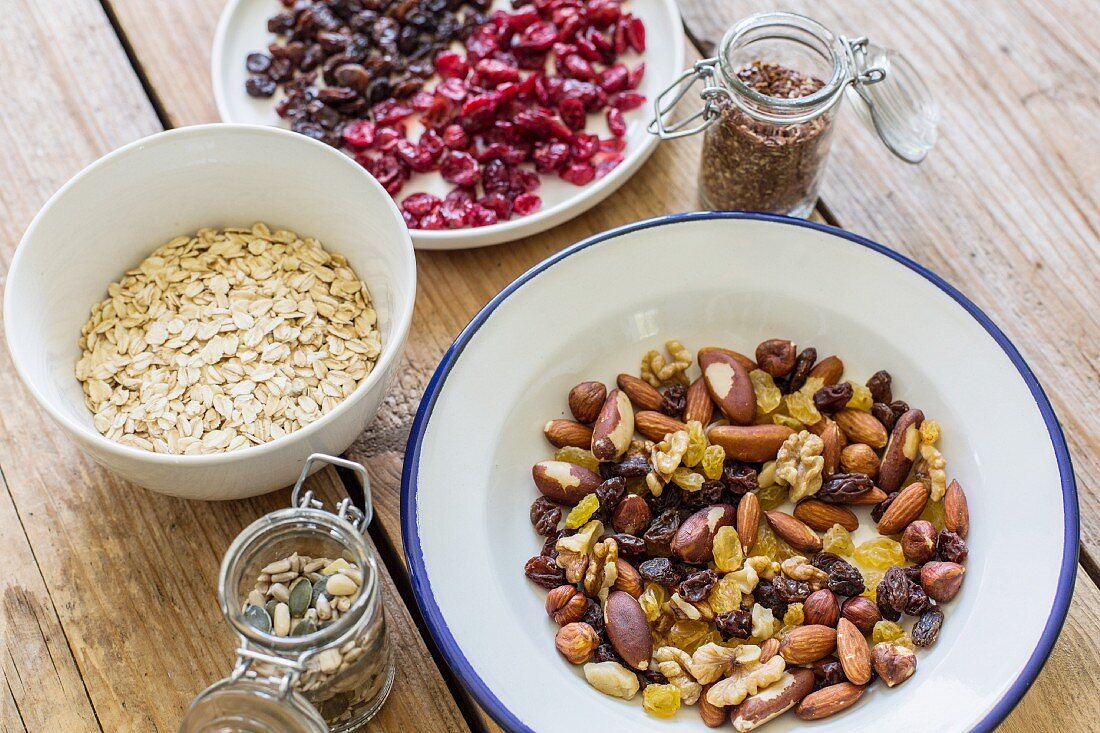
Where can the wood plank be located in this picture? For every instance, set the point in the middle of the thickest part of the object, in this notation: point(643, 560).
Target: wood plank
point(117, 607)
point(1007, 207)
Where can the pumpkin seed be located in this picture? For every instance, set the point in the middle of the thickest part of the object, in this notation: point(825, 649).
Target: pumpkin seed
point(304, 627)
point(258, 617)
point(270, 607)
point(301, 595)
point(319, 587)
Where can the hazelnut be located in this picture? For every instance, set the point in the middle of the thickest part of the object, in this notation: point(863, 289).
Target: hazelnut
point(776, 357)
point(893, 662)
point(577, 642)
point(585, 401)
point(859, 458)
point(918, 542)
point(862, 612)
point(631, 516)
point(565, 604)
point(942, 580)
point(821, 607)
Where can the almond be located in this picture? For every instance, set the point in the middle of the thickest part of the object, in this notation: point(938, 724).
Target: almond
point(565, 483)
point(729, 386)
point(614, 428)
point(698, 404)
point(828, 701)
point(861, 427)
point(748, 520)
point(852, 651)
point(631, 516)
point(741, 359)
point(774, 700)
point(833, 440)
point(828, 369)
point(821, 516)
point(874, 495)
point(768, 649)
point(713, 716)
point(821, 608)
point(956, 517)
point(694, 541)
point(628, 629)
point(859, 458)
point(655, 425)
point(805, 644)
point(561, 433)
point(793, 532)
point(750, 443)
point(640, 392)
point(900, 451)
point(905, 508)
point(862, 612)
point(627, 578)
point(586, 400)
point(941, 580)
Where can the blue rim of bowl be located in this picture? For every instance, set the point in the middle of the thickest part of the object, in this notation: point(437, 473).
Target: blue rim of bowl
point(414, 553)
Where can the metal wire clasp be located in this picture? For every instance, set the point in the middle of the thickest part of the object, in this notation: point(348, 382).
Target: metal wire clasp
point(345, 509)
point(243, 668)
point(704, 71)
point(857, 57)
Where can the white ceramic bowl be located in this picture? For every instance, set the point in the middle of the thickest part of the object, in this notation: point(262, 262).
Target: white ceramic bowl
point(115, 212)
point(733, 279)
point(243, 29)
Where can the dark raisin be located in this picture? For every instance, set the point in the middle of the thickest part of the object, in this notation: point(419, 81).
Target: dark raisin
point(927, 629)
point(880, 508)
point(886, 611)
point(845, 579)
point(825, 560)
point(884, 415)
point(650, 677)
point(259, 86)
point(917, 601)
point(790, 591)
point(545, 516)
point(548, 547)
point(833, 397)
point(841, 488)
point(607, 653)
point(670, 498)
point(828, 672)
point(674, 401)
point(633, 466)
point(710, 494)
point(735, 624)
point(544, 571)
point(879, 384)
point(951, 547)
point(593, 616)
point(802, 366)
point(258, 63)
point(899, 408)
point(893, 589)
point(609, 494)
point(697, 586)
point(739, 477)
point(660, 570)
point(766, 596)
point(629, 545)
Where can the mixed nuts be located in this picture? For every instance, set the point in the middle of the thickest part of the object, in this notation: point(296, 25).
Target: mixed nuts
point(680, 570)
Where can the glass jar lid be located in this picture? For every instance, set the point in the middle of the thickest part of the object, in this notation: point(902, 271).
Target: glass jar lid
point(893, 100)
point(242, 705)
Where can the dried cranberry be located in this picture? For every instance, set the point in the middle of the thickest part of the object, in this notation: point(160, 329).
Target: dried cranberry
point(495, 72)
point(634, 78)
point(527, 203)
point(390, 111)
point(616, 123)
point(477, 111)
point(460, 168)
point(455, 138)
point(419, 204)
point(390, 172)
point(481, 216)
point(359, 134)
point(735, 624)
point(453, 89)
point(578, 174)
point(499, 204)
point(433, 221)
point(482, 42)
point(614, 78)
point(550, 156)
point(584, 146)
point(572, 112)
point(538, 36)
point(626, 100)
point(452, 65)
point(411, 221)
point(635, 33)
point(418, 159)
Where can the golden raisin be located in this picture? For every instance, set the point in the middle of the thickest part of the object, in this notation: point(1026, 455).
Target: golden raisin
point(768, 395)
point(800, 404)
point(794, 615)
point(725, 595)
point(651, 600)
point(766, 542)
point(579, 456)
point(697, 444)
point(582, 512)
point(728, 554)
point(788, 421)
point(879, 553)
point(929, 432)
point(933, 512)
point(771, 497)
point(861, 398)
point(661, 700)
point(838, 541)
point(714, 458)
point(686, 632)
point(886, 631)
point(687, 479)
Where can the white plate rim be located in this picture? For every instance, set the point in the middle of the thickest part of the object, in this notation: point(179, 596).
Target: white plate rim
point(586, 197)
point(421, 584)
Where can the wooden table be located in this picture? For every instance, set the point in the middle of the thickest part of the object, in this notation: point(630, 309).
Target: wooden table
point(101, 633)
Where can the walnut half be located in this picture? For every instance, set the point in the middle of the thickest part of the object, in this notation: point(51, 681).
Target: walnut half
point(746, 680)
point(799, 464)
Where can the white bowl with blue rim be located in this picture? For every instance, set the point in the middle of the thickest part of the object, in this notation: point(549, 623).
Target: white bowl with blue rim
point(733, 279)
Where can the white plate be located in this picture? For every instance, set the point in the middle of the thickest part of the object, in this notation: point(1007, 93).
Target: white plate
point(733, 279)
point(243, 30)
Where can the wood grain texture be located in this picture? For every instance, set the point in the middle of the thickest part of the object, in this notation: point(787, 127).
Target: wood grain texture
point(1007, 207)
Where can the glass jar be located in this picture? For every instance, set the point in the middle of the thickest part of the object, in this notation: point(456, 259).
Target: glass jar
point(300, 587)
point(771, 97)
